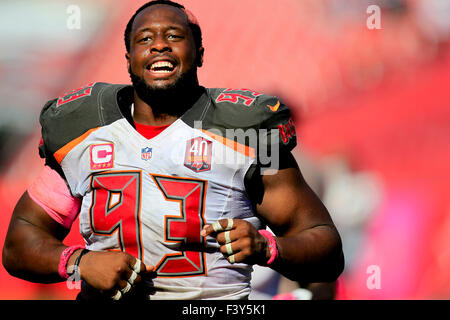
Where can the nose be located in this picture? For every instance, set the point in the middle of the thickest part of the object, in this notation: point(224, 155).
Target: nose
point(160, 44)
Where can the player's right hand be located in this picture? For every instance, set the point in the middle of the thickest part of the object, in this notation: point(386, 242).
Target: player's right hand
point(112, 273)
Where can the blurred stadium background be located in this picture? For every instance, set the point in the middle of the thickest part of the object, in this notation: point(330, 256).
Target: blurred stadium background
point(372, 110)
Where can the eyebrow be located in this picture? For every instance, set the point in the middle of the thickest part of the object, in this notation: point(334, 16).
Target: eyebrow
point(150, 29)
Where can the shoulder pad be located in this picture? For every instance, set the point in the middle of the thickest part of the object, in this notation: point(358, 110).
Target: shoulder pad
point(244, 107)
point(67, 117)
point(248, 109)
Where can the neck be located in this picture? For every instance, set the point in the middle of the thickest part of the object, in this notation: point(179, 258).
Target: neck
point(144, 114)
point(151, 112)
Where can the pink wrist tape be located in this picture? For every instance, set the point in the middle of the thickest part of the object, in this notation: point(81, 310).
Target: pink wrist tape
point(272, 246)
point(65, 255)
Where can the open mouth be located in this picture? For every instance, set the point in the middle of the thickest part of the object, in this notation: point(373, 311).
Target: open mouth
point(161, 67)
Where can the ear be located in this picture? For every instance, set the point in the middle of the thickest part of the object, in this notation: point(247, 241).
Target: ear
point(127, 56)
point(201, 52)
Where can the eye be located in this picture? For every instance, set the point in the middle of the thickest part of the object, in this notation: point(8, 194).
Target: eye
point(174, 37)
point(144, 39)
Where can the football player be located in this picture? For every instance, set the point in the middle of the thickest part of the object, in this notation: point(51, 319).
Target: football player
point(173, 183)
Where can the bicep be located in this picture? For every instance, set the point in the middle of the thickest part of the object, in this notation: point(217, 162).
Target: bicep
point(46, 205)
point(28, 214)
point(288, 204)
point(33, 243)
point(50, 191)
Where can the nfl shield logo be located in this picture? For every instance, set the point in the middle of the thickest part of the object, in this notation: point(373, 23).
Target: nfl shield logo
point(146, 153)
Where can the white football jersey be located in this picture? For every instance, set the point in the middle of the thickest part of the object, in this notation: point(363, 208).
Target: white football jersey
point(152, 197)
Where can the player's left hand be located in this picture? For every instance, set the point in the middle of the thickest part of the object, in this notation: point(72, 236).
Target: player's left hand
point(239, 241)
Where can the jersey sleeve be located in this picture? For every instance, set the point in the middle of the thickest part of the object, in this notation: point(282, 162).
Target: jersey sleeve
point(50, 191)
point(261, 122)
point(276, 131)
point(44, 151)
point(64, 119)
point(276, 139)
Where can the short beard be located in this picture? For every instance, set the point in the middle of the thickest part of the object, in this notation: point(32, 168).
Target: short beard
point(173, 100)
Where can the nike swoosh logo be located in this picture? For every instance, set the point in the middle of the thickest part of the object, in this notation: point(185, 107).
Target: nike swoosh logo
point(275, 107)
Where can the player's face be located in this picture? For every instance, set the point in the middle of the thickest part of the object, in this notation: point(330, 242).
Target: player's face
point(162, 47)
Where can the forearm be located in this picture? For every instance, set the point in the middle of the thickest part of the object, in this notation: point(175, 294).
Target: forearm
point(32, 254)
point(313, 255)
point(310, 248)
point(33, 243)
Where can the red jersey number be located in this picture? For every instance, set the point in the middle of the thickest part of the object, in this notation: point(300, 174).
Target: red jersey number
point(184, 227)
point(245, 96)
point(115, 210)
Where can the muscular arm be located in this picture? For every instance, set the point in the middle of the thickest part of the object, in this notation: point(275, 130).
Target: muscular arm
point(33, 243)
point(309, 245)
point(33, 248)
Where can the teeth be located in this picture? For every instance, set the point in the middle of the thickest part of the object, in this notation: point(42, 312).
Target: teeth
point(161, 71)
point(162, 64)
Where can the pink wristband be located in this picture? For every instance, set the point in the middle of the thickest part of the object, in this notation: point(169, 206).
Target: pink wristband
point(65, 255)
point(272, 246)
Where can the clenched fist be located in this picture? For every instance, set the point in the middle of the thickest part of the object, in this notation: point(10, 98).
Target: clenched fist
point(112, 273)
point(239, 241)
